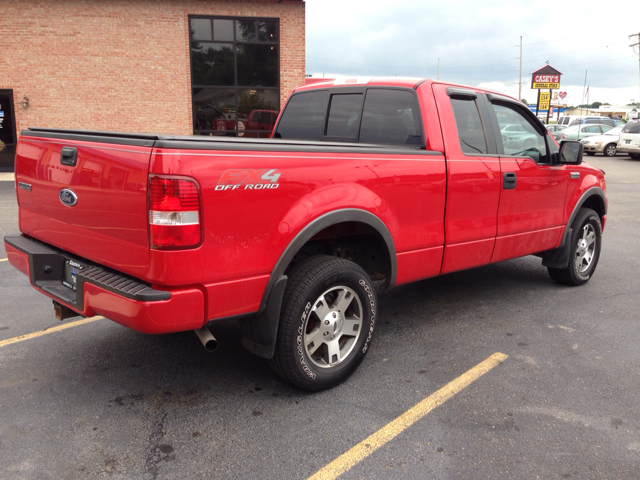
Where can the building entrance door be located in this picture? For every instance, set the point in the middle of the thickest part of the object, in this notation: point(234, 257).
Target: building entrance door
point(7, 131)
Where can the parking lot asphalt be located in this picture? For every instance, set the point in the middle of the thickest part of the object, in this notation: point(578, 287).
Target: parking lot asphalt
point(98, 400)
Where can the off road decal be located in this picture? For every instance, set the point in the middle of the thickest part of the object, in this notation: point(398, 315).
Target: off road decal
point(249, 179)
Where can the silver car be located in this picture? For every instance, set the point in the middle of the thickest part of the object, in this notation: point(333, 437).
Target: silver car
point(577, 132)
point(607, 143)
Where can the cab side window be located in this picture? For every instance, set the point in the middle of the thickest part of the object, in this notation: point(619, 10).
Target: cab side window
point(390, 117)
point(518, 135)
point(471, 132)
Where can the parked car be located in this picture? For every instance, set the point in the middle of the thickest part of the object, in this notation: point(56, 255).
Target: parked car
point(555, 128)
point(517, 136)
point(288, 235)
point(578, 132)
point(568, 120)
point(599, 120)
point(629, 141)
point(607, 143)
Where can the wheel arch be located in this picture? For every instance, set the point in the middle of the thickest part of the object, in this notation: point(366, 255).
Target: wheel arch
point(259, 332)
point(594, 198)
point(351, 216)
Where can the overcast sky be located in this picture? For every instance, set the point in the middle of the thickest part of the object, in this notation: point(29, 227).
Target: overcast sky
point(478, 43)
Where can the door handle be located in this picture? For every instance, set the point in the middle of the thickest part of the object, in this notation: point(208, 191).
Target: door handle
point(509, 181)
point(69, 156)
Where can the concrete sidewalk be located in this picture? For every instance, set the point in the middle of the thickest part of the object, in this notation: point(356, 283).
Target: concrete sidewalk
point(7, 177)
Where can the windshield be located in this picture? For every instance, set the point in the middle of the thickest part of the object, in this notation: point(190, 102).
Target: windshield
point(615, 131)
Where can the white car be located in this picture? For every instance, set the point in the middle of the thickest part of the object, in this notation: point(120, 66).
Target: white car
point(607, 143)
point(630, 139)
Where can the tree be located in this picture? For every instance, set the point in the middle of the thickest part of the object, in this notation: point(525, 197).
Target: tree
point(524, 100)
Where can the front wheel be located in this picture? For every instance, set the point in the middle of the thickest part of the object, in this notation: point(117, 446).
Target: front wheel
point(610, 150)
point(326, 324)
point(586, 236)
point(635, 156)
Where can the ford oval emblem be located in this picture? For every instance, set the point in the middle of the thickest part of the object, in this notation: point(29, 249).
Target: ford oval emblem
point(67, 197)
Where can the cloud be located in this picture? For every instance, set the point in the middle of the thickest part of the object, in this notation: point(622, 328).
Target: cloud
point(477, 42)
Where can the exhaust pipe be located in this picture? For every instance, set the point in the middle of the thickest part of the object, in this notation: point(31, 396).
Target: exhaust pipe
point(209, 342)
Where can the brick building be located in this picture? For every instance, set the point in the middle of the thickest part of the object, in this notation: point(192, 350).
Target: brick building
point(156, 66)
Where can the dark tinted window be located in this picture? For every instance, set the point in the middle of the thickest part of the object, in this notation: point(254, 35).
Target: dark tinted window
point(390, 117)
point(631, 127)
point(212, 64)
point(257, 65)
point(304, 116)
point(344, 116)
point(235, 69)
point(470, 129)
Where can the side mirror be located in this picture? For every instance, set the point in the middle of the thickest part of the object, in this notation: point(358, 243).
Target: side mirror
point(570, 153)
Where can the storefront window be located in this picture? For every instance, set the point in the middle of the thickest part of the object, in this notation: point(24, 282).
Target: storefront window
point(235, 75)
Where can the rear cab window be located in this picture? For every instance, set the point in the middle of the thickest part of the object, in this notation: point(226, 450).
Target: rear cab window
point(376, 115)
point(632, 127)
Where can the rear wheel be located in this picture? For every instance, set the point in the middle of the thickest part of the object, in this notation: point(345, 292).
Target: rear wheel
point(586, 236)
point(610, 150)
point(635, 156)
point(326, 324)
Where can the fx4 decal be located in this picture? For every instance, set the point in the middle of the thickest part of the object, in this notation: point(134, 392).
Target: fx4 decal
point(248, 179)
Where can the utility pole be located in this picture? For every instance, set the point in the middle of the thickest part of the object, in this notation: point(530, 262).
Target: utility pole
point(637, 45)
point(520, 77)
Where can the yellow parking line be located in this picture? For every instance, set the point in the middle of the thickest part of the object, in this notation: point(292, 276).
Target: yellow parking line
point(365, 448)
point(58, 328)
point(3, 259)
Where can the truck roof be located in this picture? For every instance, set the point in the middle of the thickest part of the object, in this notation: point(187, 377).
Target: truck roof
point(403, 82)
point(406, 82)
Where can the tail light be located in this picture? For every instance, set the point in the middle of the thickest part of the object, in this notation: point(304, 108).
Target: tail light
point(174, 213)
point(564, 135)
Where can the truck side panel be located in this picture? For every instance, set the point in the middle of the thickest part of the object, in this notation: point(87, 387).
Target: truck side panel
point(256, 202)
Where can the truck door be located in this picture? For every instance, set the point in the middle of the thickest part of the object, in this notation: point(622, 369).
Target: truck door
point(533, 191)
point(473, 178)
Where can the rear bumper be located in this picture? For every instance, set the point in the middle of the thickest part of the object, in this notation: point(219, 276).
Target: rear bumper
point(100, 291)
point(628, 149)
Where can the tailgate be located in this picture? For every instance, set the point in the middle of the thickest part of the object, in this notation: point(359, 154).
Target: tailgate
point(86, 193)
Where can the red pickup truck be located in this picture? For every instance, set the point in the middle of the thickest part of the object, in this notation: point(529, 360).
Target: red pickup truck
point(366, 184)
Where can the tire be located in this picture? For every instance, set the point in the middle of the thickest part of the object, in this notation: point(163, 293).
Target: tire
point(586, 239)
point(326, 323)
point(529, 143)
point(635, 156)
point(610, 150)
point(591, 154)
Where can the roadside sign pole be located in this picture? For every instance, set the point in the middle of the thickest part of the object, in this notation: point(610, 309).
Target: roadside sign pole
point(549, 107)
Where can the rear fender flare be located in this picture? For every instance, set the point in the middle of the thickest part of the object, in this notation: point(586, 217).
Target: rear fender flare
point(259, 332)
point(319, 224)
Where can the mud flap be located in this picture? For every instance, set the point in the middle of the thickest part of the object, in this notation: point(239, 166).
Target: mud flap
point(259, 333)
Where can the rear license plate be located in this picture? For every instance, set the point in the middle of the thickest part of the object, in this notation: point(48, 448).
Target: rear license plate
point(71, 270)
